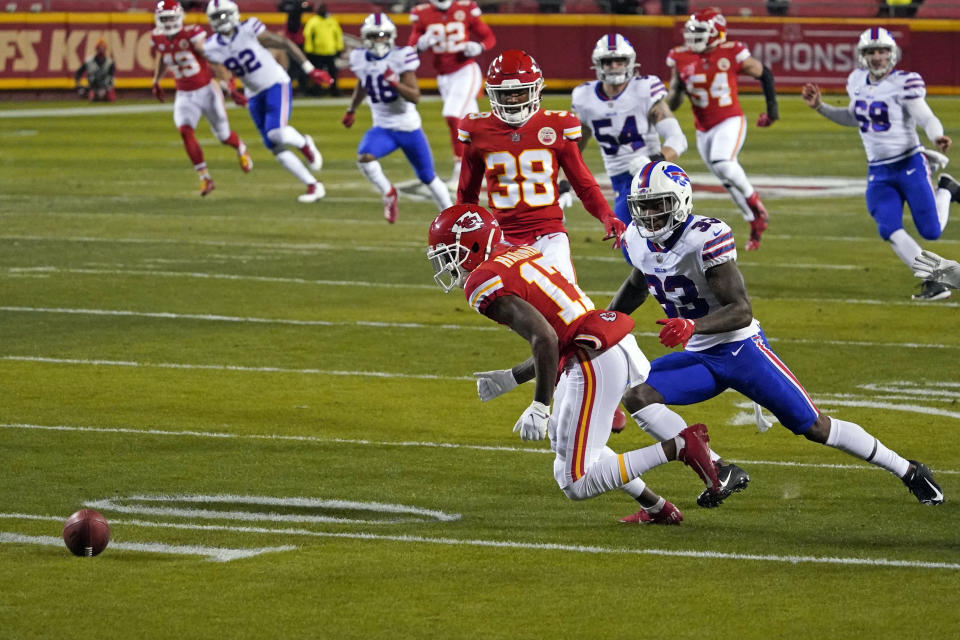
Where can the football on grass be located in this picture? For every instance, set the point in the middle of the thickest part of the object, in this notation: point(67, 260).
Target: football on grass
point(86, 533)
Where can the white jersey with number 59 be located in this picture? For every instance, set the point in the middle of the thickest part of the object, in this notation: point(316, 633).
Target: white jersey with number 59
point(390, 110)
point(247, 59)
point(888, 131)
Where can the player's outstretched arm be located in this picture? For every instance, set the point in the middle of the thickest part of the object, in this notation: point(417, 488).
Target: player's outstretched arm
point(405, 83)
point(753, 67)
point(631, 293)
point(668, 128)
point(931, 125)
point(842, 116)
point(676, 90)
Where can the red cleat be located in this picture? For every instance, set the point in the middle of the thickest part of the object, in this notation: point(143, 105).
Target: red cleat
point(206, 185)
point(695, 453)
point(759, 223)
point(390, 205)
point(246, 162)
point(668, 514)
point(619, 421)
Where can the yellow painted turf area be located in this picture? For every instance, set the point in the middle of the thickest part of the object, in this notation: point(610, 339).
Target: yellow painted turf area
point(246, 372)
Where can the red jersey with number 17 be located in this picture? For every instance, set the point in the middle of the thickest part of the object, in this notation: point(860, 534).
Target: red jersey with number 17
point(521, 165)
point(179, 52)
point(710, 79)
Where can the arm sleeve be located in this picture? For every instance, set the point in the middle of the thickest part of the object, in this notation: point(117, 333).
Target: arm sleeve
point(840, 115)
point(417, 30)
point(583, 182)
point(921, 112)
point(769, 93)
point(669, 130)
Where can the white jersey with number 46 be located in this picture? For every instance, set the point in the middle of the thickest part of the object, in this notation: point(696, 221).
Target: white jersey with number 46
point(389, 109)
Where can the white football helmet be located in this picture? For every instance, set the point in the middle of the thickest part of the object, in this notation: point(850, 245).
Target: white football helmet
point(705, 29)
point(223, 15)
point(443, 5)
point(375, 27)
point(877, 38)
point(614, 46)
point(168, 17)
point(661, 198)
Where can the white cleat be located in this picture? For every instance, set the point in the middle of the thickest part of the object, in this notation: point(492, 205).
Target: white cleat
point(315, 192)
point(312, 154)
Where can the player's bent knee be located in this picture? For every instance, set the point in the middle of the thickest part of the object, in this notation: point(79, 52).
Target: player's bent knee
point(366, 157)
point(929, 231)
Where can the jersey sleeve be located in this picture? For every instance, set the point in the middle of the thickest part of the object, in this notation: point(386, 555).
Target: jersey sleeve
point(472, 166)
point(356, 60)
point(417, 27)
point(483, 287)
point(576, 171)
point(672, 59)
point(195, 34)
point(740, 53)
point(656, 89)
point(212, 51)
point(718, 246)
point(578, 99)
point(410, 60)
point(914, 87)
point(472, 9)
point(254, 26)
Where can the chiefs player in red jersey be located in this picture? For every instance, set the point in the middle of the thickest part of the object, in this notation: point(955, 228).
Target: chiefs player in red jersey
point(597, 358)
point(455, 32)
point(180, 50)
point(706, 69)
point(521, 150)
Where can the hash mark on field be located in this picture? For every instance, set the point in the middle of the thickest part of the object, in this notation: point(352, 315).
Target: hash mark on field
point(398, 443)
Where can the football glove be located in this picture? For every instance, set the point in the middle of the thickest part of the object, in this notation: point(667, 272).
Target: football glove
point(390, 77)
point(930, 266)
point(938, 161)
point(532, 425)
point(238, 98)
point(764, 120)
point(347, 119)
point(426, 41)
point(565, 199)
point(676, 331)
point(615, 228)
point(491, 384)
point(321, 77)
point(157, 91)
point(472, 49)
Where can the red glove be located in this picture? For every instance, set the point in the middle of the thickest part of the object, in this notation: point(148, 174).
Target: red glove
point(391, 77)
point(321, 77)
point(764, 120)
point(676, 331)
point(237, 96)
point(157, 91)
point(615, 228)
point(347, 119)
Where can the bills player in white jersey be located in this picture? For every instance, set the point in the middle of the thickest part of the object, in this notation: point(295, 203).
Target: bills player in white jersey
point(387, 79)
point(180, 50)
point(241, 47)
point(887, 106)
point(689, 264)
point(625, 112)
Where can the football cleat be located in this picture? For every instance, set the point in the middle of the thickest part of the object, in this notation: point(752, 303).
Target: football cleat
point(948, 182)
point(246, 162)
point(668, 514)
point(314, 192)
point(695, 453)
point(390, 205)
point(206, 185)
point(919, 480)
point(931, 290)
point(310, 152)
point(759, 223)
point(731, 478)
point(619, 421)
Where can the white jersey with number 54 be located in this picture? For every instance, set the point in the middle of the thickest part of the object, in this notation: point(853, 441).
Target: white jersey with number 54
point(247, 59)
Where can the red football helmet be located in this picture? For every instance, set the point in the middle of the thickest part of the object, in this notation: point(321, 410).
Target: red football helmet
point(460, 238)
point(705, 29)
point(514, 84)
point(168, 17)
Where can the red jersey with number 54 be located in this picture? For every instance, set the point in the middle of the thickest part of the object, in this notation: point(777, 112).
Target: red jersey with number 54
point(521, 165)
point(525, 272)
point(710, 79)
point(451, 29)
point(190, 70)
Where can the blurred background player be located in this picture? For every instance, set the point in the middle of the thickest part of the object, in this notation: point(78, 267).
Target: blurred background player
point(241, 49)
point(706, 69)
point(455, 32)
point(593, 351)
point(387, 78)
point(100, 70)
point(623, 110)
point(689, 264)
point(520, 150)
point(887, 106)
point(180, 50)
point(323, 44)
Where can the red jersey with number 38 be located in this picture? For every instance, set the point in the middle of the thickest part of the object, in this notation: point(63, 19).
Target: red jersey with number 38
point(521, 165)
point(710, 79)
point(190, 71)
point(524, 272)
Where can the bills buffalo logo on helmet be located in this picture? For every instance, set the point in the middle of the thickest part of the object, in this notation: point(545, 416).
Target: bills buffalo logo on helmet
point(470, 221)
point(677, 174)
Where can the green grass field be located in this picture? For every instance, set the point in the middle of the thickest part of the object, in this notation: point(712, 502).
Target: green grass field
point(272, 404)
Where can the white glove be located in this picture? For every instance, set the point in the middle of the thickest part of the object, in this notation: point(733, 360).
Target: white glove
point(491, 384)
point(532, 425)
point(938, 161)
point(472, 49)
point(930, 266)
point(426, 41)
point(565, 199)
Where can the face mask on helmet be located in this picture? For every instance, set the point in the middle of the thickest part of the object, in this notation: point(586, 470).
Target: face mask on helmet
point(660, 200)
point(877, 52)
point(514, 84)
point(461, 237)
point(614, 59)
point(704, 30)
point(168, 17)
point(378, 34)
point(223, 15)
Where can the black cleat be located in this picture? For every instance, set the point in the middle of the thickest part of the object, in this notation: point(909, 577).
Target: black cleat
point(949, 183)
point(931, 290)
point(731, 478)
point(919, 480)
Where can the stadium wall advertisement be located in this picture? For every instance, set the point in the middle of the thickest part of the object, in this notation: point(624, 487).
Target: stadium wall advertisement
point(42, 51)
